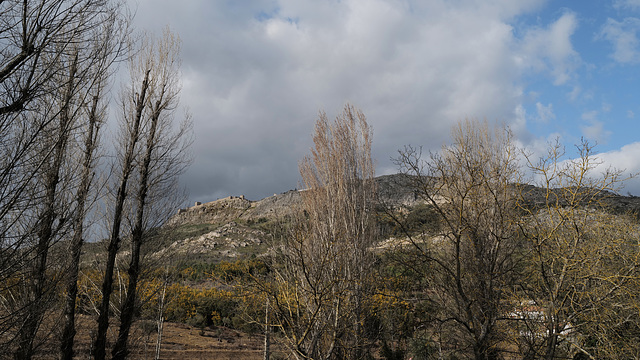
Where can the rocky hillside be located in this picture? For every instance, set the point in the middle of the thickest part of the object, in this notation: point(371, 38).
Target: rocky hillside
point(393, 189)
point(237, 207)
point(235, 226)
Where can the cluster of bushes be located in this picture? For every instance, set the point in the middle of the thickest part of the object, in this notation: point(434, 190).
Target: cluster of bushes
point(199, 294)
point(418, 219)
point(224, 270)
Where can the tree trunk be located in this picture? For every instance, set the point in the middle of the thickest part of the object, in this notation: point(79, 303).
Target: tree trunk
point(99, 346)
point(267, 333)
point(120, 350)
point(160, 321)
point(45, 225)
point(68, 334)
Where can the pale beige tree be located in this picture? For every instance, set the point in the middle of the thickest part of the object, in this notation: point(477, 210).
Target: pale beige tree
point(548, 268)
point(321, 276)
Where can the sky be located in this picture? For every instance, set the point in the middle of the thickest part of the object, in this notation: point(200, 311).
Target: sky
point(256, 73)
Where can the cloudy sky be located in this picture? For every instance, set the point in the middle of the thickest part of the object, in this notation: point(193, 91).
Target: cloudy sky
point(256, 73)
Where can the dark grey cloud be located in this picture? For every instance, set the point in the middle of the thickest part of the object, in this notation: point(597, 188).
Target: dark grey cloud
point(256, 73)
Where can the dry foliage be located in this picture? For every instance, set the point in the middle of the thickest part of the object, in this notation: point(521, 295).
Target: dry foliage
point(321, 275)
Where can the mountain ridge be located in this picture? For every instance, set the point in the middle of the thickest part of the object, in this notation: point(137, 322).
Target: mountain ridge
point(235, 226)
point(393, 190)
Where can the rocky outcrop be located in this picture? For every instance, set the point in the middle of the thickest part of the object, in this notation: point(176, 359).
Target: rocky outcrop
point(396, 190)
point(219, 211)
point(223, 241)
point(393, 190)
point(274, 206)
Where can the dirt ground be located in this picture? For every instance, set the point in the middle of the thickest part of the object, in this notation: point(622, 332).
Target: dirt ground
point(179, 341)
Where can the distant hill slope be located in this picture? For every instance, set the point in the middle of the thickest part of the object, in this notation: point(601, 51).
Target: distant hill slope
point(392, 190)
point(234, 227)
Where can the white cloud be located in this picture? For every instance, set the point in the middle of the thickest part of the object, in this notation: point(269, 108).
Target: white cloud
point(545, 113)
point(595, 131)
point(624, 159)
point(550, 49)
point(626, 4)
point(623, 37)
point(590, 115)
point(519, 125)
point(630, 114)
point(575, 92)
point(594, 128)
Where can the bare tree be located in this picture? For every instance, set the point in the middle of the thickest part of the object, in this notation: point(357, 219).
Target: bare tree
point(470, 259)
point(164, 158)
point(321, 278)
point(151, 156)
point(584, 262)
point(50, 217)
point(162, 304)
point(130, 131)
point(107, 48)
point(549, 268)
point(36, 36)
point(36, 212)
point(82, 198)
